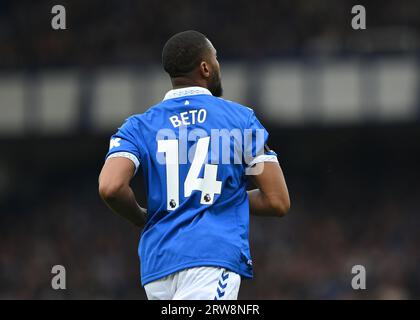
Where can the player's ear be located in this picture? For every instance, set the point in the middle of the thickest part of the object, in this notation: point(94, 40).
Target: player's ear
point(204, 69)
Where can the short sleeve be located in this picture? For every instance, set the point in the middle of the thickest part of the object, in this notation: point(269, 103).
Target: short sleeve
point(256, 149)
point(124, 144)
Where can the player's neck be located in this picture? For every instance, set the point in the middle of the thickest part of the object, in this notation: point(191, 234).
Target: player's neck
point(183, 82)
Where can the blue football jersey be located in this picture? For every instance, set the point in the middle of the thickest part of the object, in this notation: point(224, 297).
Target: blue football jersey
point(194, 150)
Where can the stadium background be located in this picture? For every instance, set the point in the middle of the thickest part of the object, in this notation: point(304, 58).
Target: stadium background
point(342, 107)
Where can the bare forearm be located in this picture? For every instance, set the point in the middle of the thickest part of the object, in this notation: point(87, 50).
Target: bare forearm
point(259, 204)
point(262, 205)
point(124, 204)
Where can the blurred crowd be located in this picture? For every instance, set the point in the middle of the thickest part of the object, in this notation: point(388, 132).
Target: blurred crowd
point(348, 209)
point(133, 32)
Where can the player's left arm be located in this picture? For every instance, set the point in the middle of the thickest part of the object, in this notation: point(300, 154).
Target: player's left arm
point(115, 190)
point(271, 198)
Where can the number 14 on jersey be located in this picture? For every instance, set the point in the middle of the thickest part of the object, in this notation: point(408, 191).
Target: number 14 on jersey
point(208, 185)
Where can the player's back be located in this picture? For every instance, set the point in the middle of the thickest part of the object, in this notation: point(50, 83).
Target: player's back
point(191, 152)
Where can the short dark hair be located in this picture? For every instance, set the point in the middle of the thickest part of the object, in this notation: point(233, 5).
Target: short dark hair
point(183, 52)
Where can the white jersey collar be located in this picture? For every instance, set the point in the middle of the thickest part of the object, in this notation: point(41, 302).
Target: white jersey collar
point(183, 92)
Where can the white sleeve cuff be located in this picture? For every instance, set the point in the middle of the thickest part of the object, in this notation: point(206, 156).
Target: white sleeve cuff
point(263, 158)
point(127, 155)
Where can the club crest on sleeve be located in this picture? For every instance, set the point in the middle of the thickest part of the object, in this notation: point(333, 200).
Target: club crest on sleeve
point(115, 142)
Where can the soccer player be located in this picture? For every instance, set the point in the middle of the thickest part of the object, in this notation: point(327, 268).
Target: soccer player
point(196, 151)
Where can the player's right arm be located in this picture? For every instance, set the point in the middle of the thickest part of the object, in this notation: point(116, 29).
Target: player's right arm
point(272, 196)
point(115, 190)
point(122, 162)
